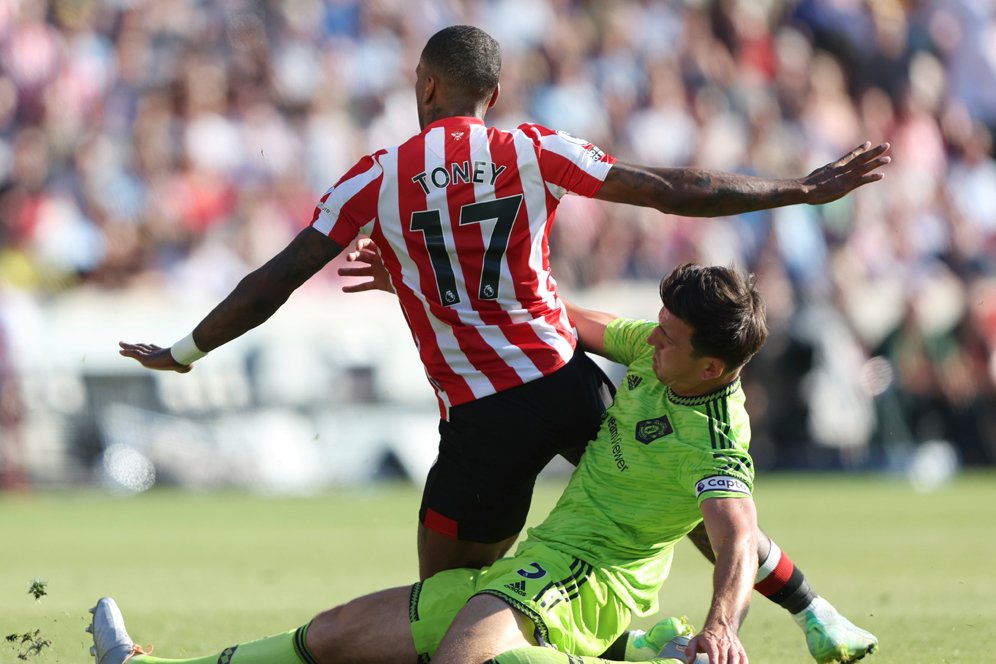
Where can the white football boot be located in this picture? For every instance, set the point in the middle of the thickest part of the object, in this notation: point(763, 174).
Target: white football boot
point(111, 643)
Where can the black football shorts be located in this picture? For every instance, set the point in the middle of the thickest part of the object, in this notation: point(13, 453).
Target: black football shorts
point(492, 449)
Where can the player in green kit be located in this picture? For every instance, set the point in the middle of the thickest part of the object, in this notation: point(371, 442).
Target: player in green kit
point(671, 451)
point(830, 637)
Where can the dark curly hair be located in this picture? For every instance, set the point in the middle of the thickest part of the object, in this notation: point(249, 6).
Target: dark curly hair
point(722, 306)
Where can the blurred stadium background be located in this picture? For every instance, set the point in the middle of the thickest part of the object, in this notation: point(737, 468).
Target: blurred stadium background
point(152, 152)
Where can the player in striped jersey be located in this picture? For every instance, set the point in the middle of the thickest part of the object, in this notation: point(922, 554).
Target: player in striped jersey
point(462, 214)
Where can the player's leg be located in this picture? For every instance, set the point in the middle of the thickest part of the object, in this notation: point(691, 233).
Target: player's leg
point(437, 552)
point(539, 655)
point(478, 492)
point(549, 604)
point(638, 645)
point(829, 635)
point(374, 629)
point(484, 628)
point(672, 652)
point(469, 516)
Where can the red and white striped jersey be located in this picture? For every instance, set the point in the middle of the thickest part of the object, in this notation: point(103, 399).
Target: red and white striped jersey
point(462, 216)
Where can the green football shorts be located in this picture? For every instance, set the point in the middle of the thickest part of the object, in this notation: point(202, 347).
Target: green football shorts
point(570, 603)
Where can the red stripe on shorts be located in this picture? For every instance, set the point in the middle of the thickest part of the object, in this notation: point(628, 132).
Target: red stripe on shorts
point(443, 525)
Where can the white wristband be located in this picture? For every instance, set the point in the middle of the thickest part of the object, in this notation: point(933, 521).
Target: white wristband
point(185, 351)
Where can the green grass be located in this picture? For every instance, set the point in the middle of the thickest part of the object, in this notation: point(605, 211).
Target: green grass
point(197, 572)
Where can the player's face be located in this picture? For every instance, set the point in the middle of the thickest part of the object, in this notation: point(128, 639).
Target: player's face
point(675, 361)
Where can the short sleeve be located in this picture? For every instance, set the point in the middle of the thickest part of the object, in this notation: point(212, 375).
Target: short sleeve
point(626, 339)
point(350, 203)
point(727, 473)
point(568, 163)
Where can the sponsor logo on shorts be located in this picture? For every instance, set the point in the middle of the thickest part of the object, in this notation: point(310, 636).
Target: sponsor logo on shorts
point(518, 587)
point(647, 431)
point(721, 483)
point(633, 382)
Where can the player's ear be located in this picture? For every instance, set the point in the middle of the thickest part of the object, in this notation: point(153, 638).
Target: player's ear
point(713, 369)
point(429, 91)
point(494, 96)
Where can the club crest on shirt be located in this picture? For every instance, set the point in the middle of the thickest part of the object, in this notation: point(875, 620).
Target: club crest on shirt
point(647, 431)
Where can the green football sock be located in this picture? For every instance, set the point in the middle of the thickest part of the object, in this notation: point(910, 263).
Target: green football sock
point(540, 655)
point(286, 648)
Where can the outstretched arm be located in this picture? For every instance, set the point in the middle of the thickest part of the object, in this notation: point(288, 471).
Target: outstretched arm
point(254, 300)
point(701, 193)
point(732, 526)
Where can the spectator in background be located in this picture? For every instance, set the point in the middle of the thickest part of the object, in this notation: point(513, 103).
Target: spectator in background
point(104, 106)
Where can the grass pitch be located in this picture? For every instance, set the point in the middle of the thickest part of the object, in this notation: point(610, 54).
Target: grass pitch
point(195, 573)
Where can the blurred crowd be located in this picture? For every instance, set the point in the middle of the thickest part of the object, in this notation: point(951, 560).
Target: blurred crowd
point(176, 144)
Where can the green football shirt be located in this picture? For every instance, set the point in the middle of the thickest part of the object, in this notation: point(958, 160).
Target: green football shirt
point(638, 487)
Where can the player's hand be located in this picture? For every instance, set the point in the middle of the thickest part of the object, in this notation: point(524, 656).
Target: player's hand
point(369, 265)
point(151, 356)
point(836, 179)
point(722, 647)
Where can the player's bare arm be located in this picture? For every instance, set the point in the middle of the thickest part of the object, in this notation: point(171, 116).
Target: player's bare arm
point(590, 325)
point(702, 193)
point(732, 527)
point(252, 302)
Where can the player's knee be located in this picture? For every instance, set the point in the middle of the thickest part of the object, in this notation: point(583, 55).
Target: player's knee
point(332, 630)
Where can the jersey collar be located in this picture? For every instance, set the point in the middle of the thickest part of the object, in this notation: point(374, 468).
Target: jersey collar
point(721, 393)
point(455, 121)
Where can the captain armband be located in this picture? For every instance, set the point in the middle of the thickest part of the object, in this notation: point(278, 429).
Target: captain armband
point(721, 483)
